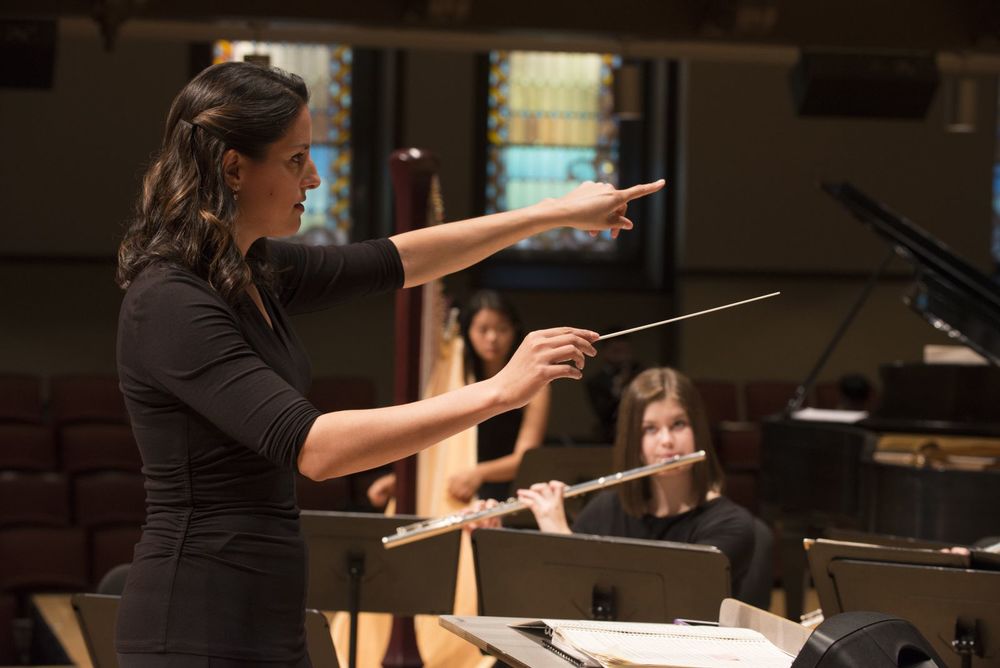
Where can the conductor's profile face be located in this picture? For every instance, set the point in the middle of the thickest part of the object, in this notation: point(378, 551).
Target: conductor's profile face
point(272, 190)
point(666, 433)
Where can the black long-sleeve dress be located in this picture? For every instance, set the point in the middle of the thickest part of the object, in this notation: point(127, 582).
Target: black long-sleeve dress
point(216, 402)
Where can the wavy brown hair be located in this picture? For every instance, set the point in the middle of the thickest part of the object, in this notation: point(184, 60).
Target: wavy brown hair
point(186, 211)
point(649, 386)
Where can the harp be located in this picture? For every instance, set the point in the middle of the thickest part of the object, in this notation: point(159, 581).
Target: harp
point(428, 361)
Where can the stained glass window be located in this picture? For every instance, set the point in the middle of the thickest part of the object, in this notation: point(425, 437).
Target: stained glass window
point(326, 69)
point(996, 186)
point(549, 126)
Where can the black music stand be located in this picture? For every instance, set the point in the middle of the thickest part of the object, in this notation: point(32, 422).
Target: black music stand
point(956, 608)
point(570, 465)
point(96, 614)
point(350, 570)
point(544, 575)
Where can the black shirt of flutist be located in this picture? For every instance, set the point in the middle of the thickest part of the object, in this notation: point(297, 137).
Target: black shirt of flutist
point(719, 522)
point(215, 398)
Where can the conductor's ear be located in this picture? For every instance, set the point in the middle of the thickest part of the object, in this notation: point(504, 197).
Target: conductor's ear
point(231, 168)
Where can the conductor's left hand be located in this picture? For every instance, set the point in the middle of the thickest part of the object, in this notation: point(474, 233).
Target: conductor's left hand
point(596, 207)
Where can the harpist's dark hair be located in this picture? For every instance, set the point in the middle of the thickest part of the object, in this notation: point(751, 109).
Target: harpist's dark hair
point(494, 301)
point(186, 211)
point(649, 386)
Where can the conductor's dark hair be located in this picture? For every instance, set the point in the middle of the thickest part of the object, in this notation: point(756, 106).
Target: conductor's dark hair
point(650, 386)
point(186, 211)
point(494, 301)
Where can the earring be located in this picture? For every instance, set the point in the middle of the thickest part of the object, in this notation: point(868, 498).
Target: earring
point(236, 194)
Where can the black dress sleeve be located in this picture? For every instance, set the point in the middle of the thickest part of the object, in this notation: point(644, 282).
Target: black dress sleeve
point(190, 346)
point(310, 278)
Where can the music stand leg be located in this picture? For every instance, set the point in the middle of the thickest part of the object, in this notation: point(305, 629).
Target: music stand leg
point(966, 643)
point(355, 569)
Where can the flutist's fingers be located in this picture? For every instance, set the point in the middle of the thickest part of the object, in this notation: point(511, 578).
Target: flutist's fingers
point(545, 500)
point(480, 505)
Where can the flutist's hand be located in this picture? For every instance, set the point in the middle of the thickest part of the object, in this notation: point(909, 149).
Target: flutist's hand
point(477, 506)
point(540, 359)
point(545, 499)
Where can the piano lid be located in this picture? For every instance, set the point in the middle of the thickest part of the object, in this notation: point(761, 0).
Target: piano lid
point(951, 294)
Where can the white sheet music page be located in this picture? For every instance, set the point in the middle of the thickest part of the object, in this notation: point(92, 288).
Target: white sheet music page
point(671, 646)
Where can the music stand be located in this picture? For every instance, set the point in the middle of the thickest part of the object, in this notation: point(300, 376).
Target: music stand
point(956, 608)
point(96, 614)
point(350, 570)
point(522, 573)
point(570, 465)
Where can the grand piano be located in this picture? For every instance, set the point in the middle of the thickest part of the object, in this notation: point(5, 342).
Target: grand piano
point(925, 464)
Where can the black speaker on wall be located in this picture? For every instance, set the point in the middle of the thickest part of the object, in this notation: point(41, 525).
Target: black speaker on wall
point(27, 53)
point(867, 85)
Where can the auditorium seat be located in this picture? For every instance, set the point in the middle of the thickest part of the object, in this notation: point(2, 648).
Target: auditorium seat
point(87, 398)
point(21, 398)
point(738, 445)
point(721, 399)
point(27, 447)
point(8, 610)
point(338, 393)
point(110, 547)
point(92, 427)
point(766, 397)
point(39, 499)
point(43, 559)
point(332, 494)
point(109, 497)
point(94, 447)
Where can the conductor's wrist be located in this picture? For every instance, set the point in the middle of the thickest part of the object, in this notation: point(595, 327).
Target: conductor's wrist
point(547, 215)
point(499, 397)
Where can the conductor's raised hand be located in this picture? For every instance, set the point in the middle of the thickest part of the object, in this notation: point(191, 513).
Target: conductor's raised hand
point(541, 358)
point(596, 207)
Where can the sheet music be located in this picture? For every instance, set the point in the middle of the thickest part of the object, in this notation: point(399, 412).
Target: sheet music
point(829, 415)
point(668, 645)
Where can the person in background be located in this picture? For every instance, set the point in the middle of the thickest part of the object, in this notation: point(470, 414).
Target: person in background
point(491, 331)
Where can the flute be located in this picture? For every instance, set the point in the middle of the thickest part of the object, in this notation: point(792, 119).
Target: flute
point(433, 527)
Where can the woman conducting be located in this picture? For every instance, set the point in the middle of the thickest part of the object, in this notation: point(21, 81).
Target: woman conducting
point(660, 416)
point(214, 376)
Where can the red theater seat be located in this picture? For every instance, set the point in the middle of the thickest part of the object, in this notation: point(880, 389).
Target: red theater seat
point(87, 398)
point(27, 447)
point(111, 546)
point(21, 398)
point(43, 559)
point(767, 397)
point(39, 499)
point(94, 446)
point(109, 497)
point(721, 399)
